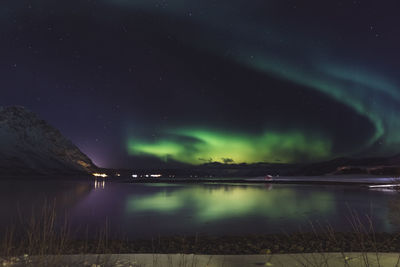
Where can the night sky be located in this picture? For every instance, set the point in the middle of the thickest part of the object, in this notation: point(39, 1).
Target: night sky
point(149, 83)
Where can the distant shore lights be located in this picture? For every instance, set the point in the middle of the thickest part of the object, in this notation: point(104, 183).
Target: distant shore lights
point(146, 175)
point(100, 175)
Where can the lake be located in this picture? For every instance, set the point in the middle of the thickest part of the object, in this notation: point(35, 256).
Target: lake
point(152, 210)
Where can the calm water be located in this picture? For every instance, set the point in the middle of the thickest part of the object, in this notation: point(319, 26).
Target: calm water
point(150, 210)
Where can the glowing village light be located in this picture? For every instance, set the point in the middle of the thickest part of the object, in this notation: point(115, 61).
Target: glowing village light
point(134, 175)
point(155, 175)
point(100, 175)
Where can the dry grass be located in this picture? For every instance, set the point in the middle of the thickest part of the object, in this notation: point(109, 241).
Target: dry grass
point(45, 238)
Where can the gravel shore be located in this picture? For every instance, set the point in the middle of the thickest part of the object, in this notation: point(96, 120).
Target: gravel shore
point(251, 244)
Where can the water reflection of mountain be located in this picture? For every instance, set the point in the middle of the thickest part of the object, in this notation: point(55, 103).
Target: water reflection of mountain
point(23, 198)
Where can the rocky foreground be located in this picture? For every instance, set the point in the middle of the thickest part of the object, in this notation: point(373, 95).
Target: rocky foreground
point(255, 244)
point(223, 245)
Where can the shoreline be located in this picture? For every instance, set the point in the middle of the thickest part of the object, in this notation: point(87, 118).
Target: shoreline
point(351, 180)
point(324, 181)
point(265, 244)
point(309, 242)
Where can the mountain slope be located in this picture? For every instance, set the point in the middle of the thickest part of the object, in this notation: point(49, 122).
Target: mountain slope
point(29, 145)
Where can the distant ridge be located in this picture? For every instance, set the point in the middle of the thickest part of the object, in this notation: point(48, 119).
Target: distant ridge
point(338, 166)
point(373, 165)
point(30, 146)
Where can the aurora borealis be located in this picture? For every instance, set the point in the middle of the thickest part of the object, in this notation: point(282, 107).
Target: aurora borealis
point(153, 83)
point(206, 146)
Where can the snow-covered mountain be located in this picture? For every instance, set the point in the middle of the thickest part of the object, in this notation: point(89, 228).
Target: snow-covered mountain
point(29, 145)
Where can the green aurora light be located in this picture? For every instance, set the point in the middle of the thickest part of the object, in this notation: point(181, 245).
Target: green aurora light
point(357, 95)
point(288, 55)
point(200, 146)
